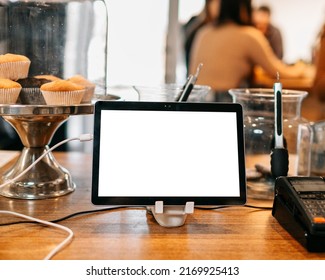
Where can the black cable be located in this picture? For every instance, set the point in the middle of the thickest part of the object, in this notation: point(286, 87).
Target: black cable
point(74, 215)
point(92, 211)
point(259, 207)
point(124, 207)
point(225, 206)
point(211, 208)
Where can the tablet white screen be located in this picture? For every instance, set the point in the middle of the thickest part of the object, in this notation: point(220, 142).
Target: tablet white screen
point(167, 153)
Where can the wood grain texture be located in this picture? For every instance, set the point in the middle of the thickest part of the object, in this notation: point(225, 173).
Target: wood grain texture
point(227, 233)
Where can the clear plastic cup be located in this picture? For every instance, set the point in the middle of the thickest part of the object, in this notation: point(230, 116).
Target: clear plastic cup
point(170, 93)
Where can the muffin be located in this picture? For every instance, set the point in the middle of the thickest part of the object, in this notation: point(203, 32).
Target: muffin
point(62, 92)
point(32, 82)
point(14, 66)
point(30, 92)
point(9, 91)
point(89, 87)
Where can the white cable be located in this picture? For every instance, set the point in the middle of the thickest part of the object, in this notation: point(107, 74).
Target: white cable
point(82, 138)
point(57, 248)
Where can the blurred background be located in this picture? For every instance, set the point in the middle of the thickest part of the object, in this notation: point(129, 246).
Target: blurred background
point(145, 39)
point(145, 44)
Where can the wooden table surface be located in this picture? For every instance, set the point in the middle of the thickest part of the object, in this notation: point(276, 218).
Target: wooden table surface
point(228, 233)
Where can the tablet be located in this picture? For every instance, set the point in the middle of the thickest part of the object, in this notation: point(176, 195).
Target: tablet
point(173, 152)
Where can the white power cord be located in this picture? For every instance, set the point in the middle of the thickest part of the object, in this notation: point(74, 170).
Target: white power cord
point(82, 138)
point(58, 247)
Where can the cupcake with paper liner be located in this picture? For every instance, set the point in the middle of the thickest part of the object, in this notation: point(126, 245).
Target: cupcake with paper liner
point(30, 92)
point(89, 87)
point(9, 91)
point(14, 66)
point(62, 92)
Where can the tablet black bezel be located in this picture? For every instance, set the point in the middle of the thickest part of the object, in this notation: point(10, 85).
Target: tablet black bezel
point(167, 106)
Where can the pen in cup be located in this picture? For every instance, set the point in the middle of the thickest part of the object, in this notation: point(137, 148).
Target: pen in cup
point(279, 154)
point(278, 113)
point(189, 85)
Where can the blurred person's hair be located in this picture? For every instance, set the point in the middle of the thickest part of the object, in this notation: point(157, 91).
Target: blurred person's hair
point(238, 11)
point(265, 9)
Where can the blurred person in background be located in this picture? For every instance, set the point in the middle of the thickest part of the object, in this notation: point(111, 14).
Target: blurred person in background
point(206, 16)
point(262, 21)
point(231, 48)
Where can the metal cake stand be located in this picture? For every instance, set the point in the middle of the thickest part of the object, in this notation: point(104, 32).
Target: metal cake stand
point(36, 125)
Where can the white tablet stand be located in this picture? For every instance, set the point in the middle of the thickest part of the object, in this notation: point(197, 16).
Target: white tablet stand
point(171, 215)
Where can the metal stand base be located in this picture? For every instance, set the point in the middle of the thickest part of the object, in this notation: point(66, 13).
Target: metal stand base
point(171, 216)
point(36, 125)
point(47, 179)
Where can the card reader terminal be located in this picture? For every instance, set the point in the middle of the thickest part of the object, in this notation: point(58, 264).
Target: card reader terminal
point(299, 206)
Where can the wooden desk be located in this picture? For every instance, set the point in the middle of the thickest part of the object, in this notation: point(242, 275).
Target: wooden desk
point(227, 233)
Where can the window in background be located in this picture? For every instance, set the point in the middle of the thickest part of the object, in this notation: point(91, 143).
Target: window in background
point(189, 8)
point(136, 41)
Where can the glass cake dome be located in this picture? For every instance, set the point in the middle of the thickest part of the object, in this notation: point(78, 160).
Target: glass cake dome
point(62, 38)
